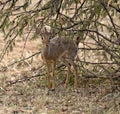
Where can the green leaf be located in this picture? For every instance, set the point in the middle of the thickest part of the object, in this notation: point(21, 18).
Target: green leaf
point(25, 5)
point(10, 47)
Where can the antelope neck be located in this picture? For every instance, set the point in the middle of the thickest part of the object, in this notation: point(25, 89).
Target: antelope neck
point(48, 48)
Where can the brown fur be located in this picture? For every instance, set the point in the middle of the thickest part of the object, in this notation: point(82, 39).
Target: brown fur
point(59, 49)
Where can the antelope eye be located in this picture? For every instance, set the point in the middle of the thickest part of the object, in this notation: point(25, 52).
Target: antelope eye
point(42, 38)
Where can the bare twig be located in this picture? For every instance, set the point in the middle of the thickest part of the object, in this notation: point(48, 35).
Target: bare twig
point(24, 59)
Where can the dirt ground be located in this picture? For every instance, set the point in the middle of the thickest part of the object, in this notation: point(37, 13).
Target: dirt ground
point(23, 89)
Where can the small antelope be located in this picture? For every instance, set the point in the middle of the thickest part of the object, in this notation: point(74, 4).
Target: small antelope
point(54, 49)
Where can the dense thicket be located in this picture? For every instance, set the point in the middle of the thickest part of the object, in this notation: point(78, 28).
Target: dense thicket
point(92, 20)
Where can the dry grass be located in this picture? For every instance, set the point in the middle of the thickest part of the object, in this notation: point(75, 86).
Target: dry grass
point(31, 96)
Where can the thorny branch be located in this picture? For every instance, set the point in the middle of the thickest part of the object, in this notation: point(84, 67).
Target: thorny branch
point(110, 19)
point(24, 59)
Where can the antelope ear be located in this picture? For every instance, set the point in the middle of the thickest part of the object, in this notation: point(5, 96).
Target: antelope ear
point(53, 32)
point(39, 32)
point(48, 34)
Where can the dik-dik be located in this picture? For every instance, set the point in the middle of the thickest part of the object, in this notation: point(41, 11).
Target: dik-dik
point(55, 49)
